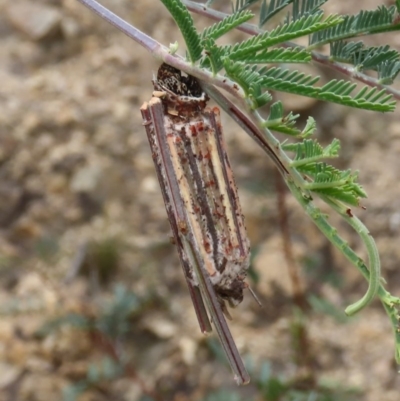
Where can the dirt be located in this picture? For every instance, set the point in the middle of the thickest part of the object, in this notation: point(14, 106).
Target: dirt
point(83, 225)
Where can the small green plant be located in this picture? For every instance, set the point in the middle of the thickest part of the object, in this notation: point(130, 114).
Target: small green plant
point(272, 387)
point(113, 320)
point(276, 388)
point(107, 370)
point(106, 329)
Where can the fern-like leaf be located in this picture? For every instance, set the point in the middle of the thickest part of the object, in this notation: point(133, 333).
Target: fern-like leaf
point(219, 29)
point(365, 22)
point(388, 71)
point(309, 129)
point(248, 78)
point(242, 5)
point(268, 10)
point(366, 58)
point(370, 58)
point(340, 185)
point(283, 33)
point(258, 97)
point(305, 8)
point(214, 56)
point(277, 56)
point(278, 122)
point(185, 23)
point(367, 98)
point(310, 151)
point(346, 193)
point(343, 51)
point(286, 80)
point(244, 75)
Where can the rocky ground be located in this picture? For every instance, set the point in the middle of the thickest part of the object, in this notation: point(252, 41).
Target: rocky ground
point(91, 290)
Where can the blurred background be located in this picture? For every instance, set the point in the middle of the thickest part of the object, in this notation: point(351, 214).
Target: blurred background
point(94, 305)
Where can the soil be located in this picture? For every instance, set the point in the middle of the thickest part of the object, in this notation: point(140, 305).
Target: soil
point(91, 289)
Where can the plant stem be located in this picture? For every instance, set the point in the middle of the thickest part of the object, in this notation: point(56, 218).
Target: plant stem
point(390, 303)
point(137, 35)
point(373, 255)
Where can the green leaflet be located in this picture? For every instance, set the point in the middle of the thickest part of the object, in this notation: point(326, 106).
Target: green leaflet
point(227, 24)
point(285, 32)
point(365, 22)
point(273, 7)
point(381, 59)
point(278, 122)
point(241, 5)
point(275, 56)
point(185, 23)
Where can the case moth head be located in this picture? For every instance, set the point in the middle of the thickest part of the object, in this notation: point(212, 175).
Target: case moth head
point(171, 79)
point(181, 94)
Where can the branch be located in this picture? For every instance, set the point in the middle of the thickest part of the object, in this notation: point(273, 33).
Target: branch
point(138, 36)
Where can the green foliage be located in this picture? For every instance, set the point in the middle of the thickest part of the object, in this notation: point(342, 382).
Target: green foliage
point(287, 31)
point(291, 81)
point(305, 8)
point(279, 388)
point(387, 72)
point(277, 122)
point(241, 5)
point(370, 99)
point(327, 180)
point(310, 151)
point(185, 23)
point(298, 83)
point(381, 59)
point(370, 57)
point(221, 28)
point(106, 370)
point(214, 56)
point(279, 55)
point(307, 19)
point(113, 321)
point(248, 77)
point(270, 9)
point(275, 388)
point(114, 318)
point(364, 23)
point(71, 319)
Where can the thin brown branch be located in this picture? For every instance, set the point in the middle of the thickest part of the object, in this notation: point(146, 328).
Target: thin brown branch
point(108, 346)
point(138, 36)
point(301, 346)
point(298, 292)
